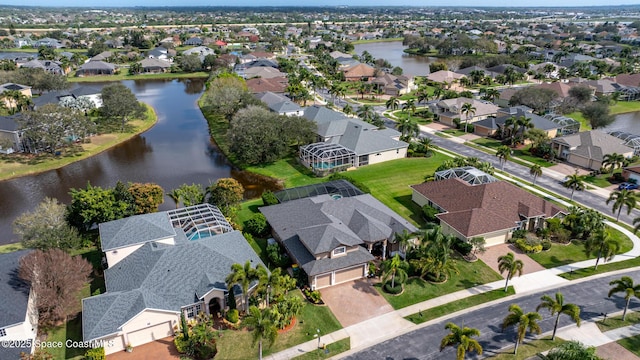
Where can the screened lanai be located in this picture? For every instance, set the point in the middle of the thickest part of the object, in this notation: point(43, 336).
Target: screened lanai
point(467, 173)
point(324, 158)
point(630, 140)
point(336, 188)
point(566, 125)
point(199, 221)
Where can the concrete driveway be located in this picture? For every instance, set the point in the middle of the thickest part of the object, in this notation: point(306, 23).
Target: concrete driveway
point(355, 301)
point(162, 349)
point(490, 257)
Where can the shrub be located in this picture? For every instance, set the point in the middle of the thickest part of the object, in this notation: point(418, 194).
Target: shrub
point(182, 344)
point(231, 300)
point(233, 316)
point(393, 290)
point(528, 246)
point(519, 234)
point(313, 295)
point(277, 256)
point(554, 224)
point(95, 354)
point(429, 213)
point(269, 198)
point(257, 225)
point(562, 236)
point(207, 350)
point(546, 245)
point(462, 247)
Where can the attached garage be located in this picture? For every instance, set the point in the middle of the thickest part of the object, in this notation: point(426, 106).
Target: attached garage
point(349, 274)
point(323, 281)
point(491, 240)
point(150, 334)
point(113, 344)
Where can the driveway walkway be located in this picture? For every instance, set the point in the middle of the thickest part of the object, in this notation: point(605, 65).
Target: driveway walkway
point(355, 301)
point(490, 257)
point(162, 349)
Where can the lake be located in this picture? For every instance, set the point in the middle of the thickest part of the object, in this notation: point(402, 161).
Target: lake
point(175, 151)
point(393, 52)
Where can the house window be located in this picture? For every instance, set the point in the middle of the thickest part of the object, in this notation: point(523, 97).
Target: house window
point(193, 311)
point(3, 332)
point(339, 250)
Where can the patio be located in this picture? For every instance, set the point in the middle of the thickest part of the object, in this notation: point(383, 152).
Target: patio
point(162, 349)
point(355, 301)
point(490, 257)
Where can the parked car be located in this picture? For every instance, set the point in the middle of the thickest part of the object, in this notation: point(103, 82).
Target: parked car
point(627, 186)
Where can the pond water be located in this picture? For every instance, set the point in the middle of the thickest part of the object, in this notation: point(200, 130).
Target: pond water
point(393, 52)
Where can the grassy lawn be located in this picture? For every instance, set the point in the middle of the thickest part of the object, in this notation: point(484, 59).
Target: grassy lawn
point(458, 305)
point(625, 107)
point(10, 248)
point(17, 165)
point(602, 268)
point(616, 322)
point(289, 171)
point(236, 344)
point(355, 42)
point(401, 115)
point(417, 290)
point(522, 153)
point(632, 344)
point(560, 254)
point(584, 123)
point(528, 349)
point(600, 180)
point(389, 182)
point(125, 76)
point(454, 132)
point(332, 349)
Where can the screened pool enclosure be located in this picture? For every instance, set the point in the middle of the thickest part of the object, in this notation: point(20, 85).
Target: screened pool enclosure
point(324, 158)
point(199, 221)
point(467, 173)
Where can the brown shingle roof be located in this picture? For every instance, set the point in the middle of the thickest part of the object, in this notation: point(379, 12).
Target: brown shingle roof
point(478, 209)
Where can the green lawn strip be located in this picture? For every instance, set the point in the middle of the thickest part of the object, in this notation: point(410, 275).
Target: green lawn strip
point(289, 171)
point(389, 182)
point(454, 132)
point(602, 268)
point(457, 305)
point(584, 123)
point(631, 343)
point(624, 107)
point(330, 350)
point(528, 349)
point(10, 248)
point(616, 322)
point(523, 153)
point(125, 76)
point(11, 166)
point(560, 254)
point(237, 344)
point(417, 290)
point(600, 180)
point(356, 42)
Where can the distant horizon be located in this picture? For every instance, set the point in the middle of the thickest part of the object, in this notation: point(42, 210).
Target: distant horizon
point(322, 3)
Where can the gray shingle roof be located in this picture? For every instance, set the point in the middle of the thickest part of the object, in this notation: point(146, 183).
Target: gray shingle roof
point(594, 144)
point(15, 292)
point(8, 123)
point(164, 278)
point(135, 230)
point(362, 139)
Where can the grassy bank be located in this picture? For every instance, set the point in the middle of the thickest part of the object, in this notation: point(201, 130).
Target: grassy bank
point(12, 166)
point(119, 77)
point(356, 42)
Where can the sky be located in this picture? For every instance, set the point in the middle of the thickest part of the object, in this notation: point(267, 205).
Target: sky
point(498, 3)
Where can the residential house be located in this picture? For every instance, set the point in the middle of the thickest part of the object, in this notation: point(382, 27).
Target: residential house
point(560, 88)
point(10, 134)
point(628, 79)
point(467, 71)
point(20, 42)
point(276, 85)
point(280, 104)
point(92, 68)
point(444, 76)
point(262, 72)
point(505, 97)
point(491, 209)
point(359, 72)
point(394, 85)
point(201, 51)
point(632, 174)
point(153, 65)
point(103, 56)
point(588, 148)
point(49, 43)
point(18, 313)
point(162, 265)
point(331, 238)
point(50, 66)
point(9, 103)
point(194, 41)
point(160, 53)
point(54, 97)
point(490, 125)
point(450, 109)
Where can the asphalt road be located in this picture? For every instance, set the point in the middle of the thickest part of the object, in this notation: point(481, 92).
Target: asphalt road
point(590, 295)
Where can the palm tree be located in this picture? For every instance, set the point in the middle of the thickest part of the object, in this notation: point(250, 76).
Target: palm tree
point(557, 306)
point(604, 246)
point(621, 199)
point(176, 196)
point(523, 321)
point(422, 94)
point(535, 171)
point(427, 145)
point(524, 123)
point(433, 256)
point(393, 103)
point(511, 265)
point(503, 153)
point(403, 240)
point(625, 285)
point(468, 109)
point(574, 182)
point(438, 91)
point(509, 128)
point(347, 109)
point(365, 112)
point(394, 268)
point(613, 161)
point(462, 338)
point(408, 128)
point(410, 107)
point(244, 276)
point(476, 75)
point(262, 327)
point(491, 94)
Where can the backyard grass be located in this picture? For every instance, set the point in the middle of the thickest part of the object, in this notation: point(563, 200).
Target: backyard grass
point(417, 290)
point(332, 349)
point(289, 171)
point(439, 311)
point(528, 349)
point(389, 182)
point(624, 107)
point(631, 343)
point(125, 76)
point(560, 254)
point(10, 248)
point(584, 123)
point(18, 165)
point(237, 344)
point(616, 322)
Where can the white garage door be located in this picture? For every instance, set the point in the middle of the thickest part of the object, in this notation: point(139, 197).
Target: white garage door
point(349, 274)
point(150, 334)
point(113, 345)
point(495, 240)
point(323, 281)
